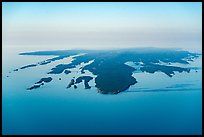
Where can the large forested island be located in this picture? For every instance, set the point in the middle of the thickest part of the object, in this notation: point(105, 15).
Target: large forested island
point(113, 74)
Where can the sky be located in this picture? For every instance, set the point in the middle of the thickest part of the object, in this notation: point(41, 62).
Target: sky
point(102, 25)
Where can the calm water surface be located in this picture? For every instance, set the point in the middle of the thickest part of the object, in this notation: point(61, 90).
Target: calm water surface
point(145, 108)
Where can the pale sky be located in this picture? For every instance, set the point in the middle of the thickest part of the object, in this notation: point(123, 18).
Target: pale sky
point(103, 25)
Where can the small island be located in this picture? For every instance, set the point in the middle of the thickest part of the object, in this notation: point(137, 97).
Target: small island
point(67, 71)
point(40, 83)
point(46, 80)
point(168, 70)
point(34, 87)
point(70, 83)
point(86, 80)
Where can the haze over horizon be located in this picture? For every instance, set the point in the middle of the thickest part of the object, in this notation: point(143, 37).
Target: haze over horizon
point(102, 25)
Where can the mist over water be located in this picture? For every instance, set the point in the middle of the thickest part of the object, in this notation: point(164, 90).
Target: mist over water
point(103, 25)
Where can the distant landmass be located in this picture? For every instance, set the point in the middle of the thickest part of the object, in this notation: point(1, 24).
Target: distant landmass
point(113, 75)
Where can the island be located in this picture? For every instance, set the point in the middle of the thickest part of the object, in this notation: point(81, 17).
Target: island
point(112, 73)
point(40, 83)
point(70, 83)
point(32, 65)
point(168, 70)
point(48, 79)
point(67, 71)
point(86, 80)
point(35, 86)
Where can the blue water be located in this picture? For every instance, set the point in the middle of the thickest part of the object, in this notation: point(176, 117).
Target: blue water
point(53, 109)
